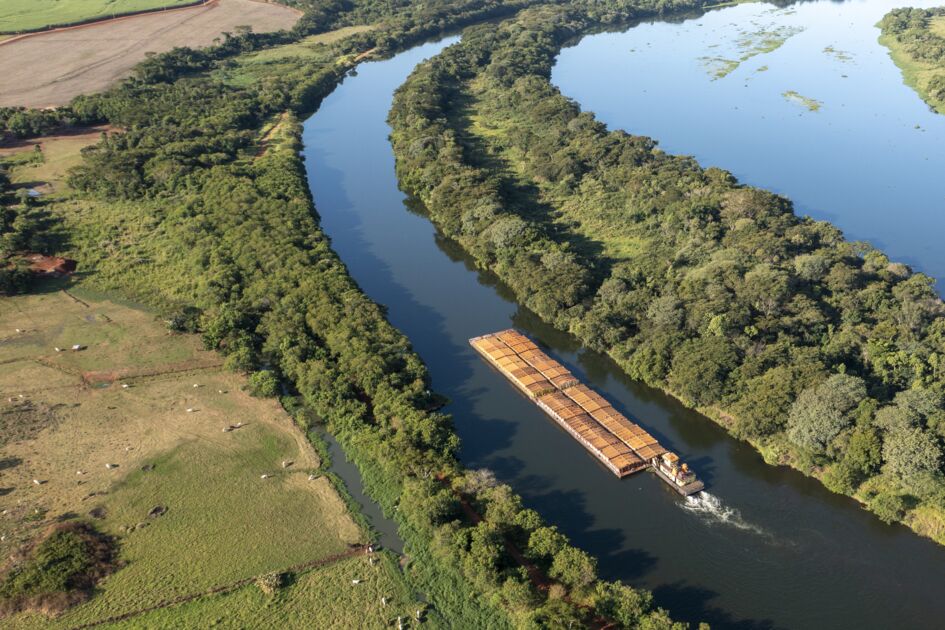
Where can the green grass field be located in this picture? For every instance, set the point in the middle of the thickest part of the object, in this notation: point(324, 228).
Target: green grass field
point(323, 597)
point(31, 15)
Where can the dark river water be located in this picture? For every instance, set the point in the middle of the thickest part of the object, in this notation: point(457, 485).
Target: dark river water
point(763, 548)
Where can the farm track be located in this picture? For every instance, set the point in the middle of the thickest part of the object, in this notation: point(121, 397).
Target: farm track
point(89, 379)
point(48, 69)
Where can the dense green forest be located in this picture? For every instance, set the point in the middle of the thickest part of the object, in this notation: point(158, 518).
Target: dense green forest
point(916, 38)
point(821, 352)
point(191, 209)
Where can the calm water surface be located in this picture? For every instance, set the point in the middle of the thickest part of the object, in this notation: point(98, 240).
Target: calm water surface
point(767, 548)
point(870, 159)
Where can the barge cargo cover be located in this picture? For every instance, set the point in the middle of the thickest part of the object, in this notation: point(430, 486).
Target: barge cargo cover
point(623, 446)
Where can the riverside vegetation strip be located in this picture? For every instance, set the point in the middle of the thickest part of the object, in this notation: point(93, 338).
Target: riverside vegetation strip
point(822, 353)
point(199, 207)
point(916, 42)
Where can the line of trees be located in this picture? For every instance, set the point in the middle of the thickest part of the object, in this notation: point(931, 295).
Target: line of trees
point(912, 28)
point(822, 352)
point(181, 210)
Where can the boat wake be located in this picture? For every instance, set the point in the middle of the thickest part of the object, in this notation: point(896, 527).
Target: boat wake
point(710, 508)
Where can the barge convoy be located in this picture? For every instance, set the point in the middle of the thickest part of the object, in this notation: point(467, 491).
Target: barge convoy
point(622, 446)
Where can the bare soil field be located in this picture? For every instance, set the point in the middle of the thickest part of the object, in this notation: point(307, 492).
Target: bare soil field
point(49, 69)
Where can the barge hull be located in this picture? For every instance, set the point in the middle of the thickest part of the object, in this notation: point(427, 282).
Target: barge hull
point(690, 488)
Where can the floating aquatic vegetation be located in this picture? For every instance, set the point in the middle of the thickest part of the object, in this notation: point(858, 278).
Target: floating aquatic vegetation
point(766, 38)
point(719, 67)
point(810, 103)
point(840, 55)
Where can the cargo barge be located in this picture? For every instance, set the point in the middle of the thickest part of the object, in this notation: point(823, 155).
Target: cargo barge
point(624, 447)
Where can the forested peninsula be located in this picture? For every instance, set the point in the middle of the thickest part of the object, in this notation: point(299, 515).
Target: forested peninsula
point(916, 42)
point(821, 352)
point(195, 203)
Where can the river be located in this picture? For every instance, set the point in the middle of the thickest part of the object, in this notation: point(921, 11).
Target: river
point(734, 88)
point(764, 548)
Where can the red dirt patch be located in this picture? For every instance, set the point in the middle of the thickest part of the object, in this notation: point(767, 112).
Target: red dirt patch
point(51, 266)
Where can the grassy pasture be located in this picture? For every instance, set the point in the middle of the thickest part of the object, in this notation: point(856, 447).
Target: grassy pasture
point(65, 415)
point(32, 15)
point(322, 597)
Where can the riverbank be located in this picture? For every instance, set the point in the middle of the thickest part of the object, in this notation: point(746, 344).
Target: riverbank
point(915, 38)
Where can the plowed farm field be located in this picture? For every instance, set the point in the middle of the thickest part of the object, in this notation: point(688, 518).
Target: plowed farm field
point(49, 69)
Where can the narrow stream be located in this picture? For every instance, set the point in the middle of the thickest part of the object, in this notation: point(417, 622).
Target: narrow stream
point(386, 528)
point(764, 548)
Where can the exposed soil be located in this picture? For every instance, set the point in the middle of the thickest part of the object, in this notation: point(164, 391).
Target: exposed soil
point(49, 69)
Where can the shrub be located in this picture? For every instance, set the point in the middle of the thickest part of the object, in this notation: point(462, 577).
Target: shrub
point(264, 384)
point(912, 455)
point(271, 582)
point(822, 411)
point(59, 571)
point(187, 319)
point(14, 279)
point(621, 603)
point(574, 567)
point(888, 506)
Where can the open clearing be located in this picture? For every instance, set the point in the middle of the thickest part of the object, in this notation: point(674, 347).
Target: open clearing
point(49, 69)
point(109, 454)
point(30, 15)
point(248, 68)
point(45, 169)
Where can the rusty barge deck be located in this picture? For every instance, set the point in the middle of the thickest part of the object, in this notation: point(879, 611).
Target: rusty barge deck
point(624, 447)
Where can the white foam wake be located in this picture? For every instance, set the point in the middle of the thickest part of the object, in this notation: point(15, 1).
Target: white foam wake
point(710, 508)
